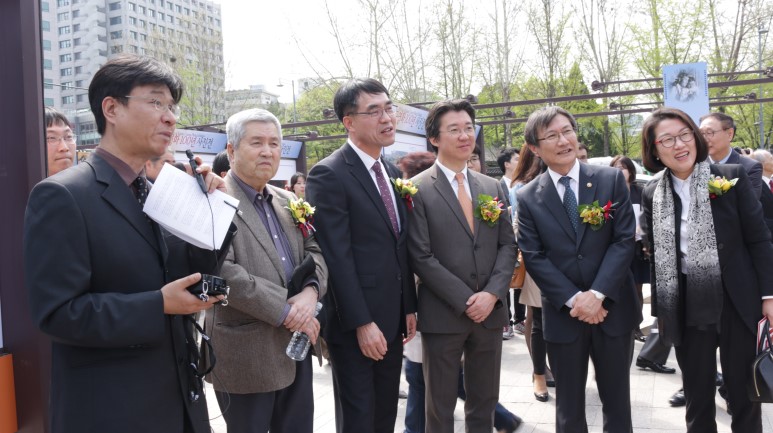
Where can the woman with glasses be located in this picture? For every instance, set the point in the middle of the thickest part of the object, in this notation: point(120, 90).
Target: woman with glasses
point(710, 254)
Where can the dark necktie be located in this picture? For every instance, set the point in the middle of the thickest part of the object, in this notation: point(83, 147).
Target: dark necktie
point(771, 185)
point(142, 189)
point(386, 197)
point(570, 203)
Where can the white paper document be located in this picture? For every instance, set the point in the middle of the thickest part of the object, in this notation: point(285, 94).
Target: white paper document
point(177, 204)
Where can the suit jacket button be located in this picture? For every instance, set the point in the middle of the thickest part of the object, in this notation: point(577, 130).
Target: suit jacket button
point(473, 275)
point(399, 276)
point(579, 256)
point(720, 246)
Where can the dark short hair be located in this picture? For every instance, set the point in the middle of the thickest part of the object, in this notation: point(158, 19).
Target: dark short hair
point(581, 145)
point(432, 124)
point(649, 152)
point(345, 100)
point(121, 74)
point(294, 179)
point(529, 166)
point(221, 162)
point(415, 162)
point(505, 155)
point(628, 164)
point(54, 116)
point(726, 121)
point(541, 119)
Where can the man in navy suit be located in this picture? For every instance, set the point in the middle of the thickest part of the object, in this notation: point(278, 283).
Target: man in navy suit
point(362, 228)
point(589, 302)
point(719, 130)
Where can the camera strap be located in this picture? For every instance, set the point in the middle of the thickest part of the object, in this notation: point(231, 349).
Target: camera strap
point(195, 375)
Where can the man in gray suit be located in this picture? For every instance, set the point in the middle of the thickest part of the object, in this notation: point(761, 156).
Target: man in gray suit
point(465, 264)
point(589, 302)
point(258, 387)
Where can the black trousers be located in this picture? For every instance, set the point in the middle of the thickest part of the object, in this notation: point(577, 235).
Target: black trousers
point(538, 350)
point(288, 410)
point(698, 360)
point(612, 361)
point(654, 349)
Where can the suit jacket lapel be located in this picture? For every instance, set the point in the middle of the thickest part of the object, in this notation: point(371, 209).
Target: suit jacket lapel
point(253, 222)
point(587, 190)
point(402, 208)
point(118, 194)
point(362, 174)
point(549, 195)
point(447, 192)
point(474, 192)
point(288, 225)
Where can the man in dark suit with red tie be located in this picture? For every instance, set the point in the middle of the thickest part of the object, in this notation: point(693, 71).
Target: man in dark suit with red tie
point(589, 302)
point(362, 228)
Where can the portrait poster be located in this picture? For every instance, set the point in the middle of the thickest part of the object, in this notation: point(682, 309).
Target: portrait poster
point(686, 87)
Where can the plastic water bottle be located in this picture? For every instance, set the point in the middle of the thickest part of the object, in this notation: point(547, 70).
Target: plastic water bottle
point(300, 343)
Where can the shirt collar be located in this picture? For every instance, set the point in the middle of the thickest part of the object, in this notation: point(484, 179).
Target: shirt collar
point(127, 174)
point(724, 160)
point(450, 174)
point(366, 159)
point(574, 173)
point(251, 192)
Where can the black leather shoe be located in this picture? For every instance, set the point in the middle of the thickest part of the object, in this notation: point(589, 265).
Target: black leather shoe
point(517, 421)
point(638, 336)
point(542, 397)
point(657, 368)
point(677, 399)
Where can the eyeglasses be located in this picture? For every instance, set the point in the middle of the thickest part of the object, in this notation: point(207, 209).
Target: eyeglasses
point(456, 132)
point(670, 140)
point(69, 138)
point(160, 106)
point(708, 133)
point(554, 137)
point(474, 158)
point(377, 112)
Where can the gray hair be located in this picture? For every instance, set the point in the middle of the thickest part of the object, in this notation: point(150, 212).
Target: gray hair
point(234, 128)
point(540, 119)
point(762, 156)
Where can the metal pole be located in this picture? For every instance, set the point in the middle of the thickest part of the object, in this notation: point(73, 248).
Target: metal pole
point(761, 31)
point(295, 114)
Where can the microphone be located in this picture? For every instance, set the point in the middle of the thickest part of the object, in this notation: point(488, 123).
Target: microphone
point(197, 175)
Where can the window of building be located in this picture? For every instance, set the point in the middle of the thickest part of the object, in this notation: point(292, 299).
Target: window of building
point(161, 16)
point(143, 24)
point(48, 102)
point(76, 13)
point(116, 34)
point(64, 30)
point(44, 6)
point(47, 64)
point(133, 49)
point(170, 18)
point(115, 20)
point(143, 37)
point(142, 10)
point(187, 11)
point(132, 7)
point(80, 98)
point(170, 6)
point(178, 9)
point(114, 6)
point(77, 56)
point(46, 45)
point(133, 21)
point(76, 27)
point(60, 3)
point(63, 16)
point(68, 99)
point(152, 27)
point(65, 58)
point(48, 83)
point(65, 72)
point(79, 69)
point(133, 35)
point(76, 41)
point(79, 83)
point(45, 25)
point(65, 43)
point(152, 13)
point(115, 49)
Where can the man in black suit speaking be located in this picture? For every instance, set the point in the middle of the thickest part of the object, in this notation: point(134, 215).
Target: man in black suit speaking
point(362, 228)
point(104, 283)
point(589, 302)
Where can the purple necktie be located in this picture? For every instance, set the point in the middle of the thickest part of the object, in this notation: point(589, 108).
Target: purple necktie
point(386, 197)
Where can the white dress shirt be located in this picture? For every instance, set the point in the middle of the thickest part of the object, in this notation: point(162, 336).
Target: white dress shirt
point(451, 176)
point(369, 161)
point(682, 189)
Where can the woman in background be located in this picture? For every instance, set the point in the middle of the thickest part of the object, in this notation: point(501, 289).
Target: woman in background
point(298, 184)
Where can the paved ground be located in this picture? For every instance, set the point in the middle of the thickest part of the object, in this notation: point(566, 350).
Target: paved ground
point(649, 397)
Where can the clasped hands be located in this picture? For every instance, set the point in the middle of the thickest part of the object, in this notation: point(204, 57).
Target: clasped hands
point(588, 308)
point(479, 306)
point(301, 314)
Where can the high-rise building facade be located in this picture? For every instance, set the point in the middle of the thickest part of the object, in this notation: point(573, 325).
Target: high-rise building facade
point(79, 36)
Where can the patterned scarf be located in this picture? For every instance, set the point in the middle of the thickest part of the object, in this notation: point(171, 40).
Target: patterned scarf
point(704, 278)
